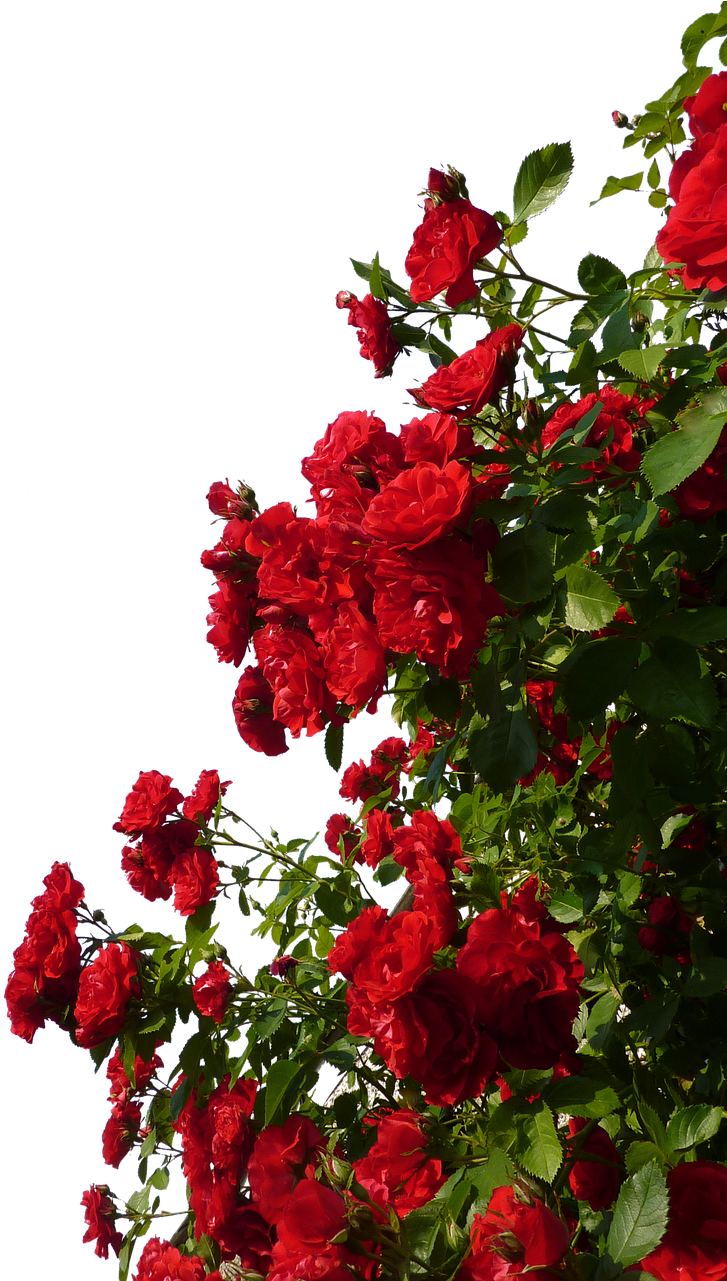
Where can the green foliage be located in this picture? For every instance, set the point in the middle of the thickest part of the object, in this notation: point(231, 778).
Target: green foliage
point(542, 177)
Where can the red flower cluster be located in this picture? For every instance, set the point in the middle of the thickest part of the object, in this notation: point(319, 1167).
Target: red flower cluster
point(161, 1261)
point(514, 992)
point(612, 433)
point(44, 981)
point(123, 1124)
point(559, 756)
point(100, 1219)
point(695, 232)
point(304, 1214)
point(695, 1243)
point(166, 856)
point(217, 1140)
point(397, 1171)
point(393, 562)
point(516, 1235)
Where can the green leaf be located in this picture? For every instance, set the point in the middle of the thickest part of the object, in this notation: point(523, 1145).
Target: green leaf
point(642, 1153)
point(504, 750)
point(586, 1095)
point(612, 185)
point(644, 361)
point(697, 626)
point(707, 978)
point(599, 674)
point(640, 1216)
point(590, 603)
point(598, 275)
point(692, 1125)
point(160, 1178)
point(522, 564)
point(676, 455)
point(334, 746)
point(543, 175)
point(672, 685)
point(376, 284)
point(618, 336)
point(278, 1085)
point(699, 32)
point(538, 1149)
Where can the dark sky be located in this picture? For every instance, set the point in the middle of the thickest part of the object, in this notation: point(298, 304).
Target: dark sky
point(206, 245)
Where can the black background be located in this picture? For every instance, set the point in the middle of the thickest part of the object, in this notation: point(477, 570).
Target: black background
point(183, 333)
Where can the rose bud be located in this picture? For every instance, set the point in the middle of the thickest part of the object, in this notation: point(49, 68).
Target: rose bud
point(619, 119)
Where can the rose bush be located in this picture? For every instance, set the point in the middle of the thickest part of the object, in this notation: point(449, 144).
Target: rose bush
point(516, 1065)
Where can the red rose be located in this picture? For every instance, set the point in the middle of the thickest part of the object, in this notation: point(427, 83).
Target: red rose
point(354, 658)
point(353, 945)
point(161, 1261)
point(706, 108)
point(436, 1035)
point(695, 1244)
point(104, 990)
point(202, 800)
point(293, 665)
point(428, 837)
point(420, 505)
point(371, 319)
point(400, 956)
point(195, 878)
point(437, 438)
point(313, 1216)
point(619, 418)
point(252, 707)
point(303, 566)
point(452, 237)
point(518, 1233)
point(529, 980)
point(229, 620)
point(667, 933)
point(22, 997)
point(397, 1171)
point(379, 840)
point(695, 231)
point(62, 891)
point(433, 601)
point(228, 502)
point(50, 947)
point(333, 1264)
point(228, 559)
point(119, 1132)
point(149, 802)
point(121, 1087)
point(282, 1155)
point(360, 782)
point(341, 826)
point(216, 1142)
point(245, 1235)
point(282, 965)
point(148, 866)
point(593, 1181)
point(475, 378)
point(358, 446)
point(212, 991)
point(100, 1220)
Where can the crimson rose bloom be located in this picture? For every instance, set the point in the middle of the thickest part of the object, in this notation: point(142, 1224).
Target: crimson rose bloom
point(313, 1215)
point(149, 802)
point(695, 231)
point(252, 708)
point(293, 665)
point(148, 866)
point(225, 501)
point(371, 319)
point(202, 800)
point(105, 987)
point(707, 107)
point(354, 658)
point(437, 438)
point(341, 825)
point(100, 1220)
point(335, 1264)
point(161, 1261)
point(667, 933)
point(437, 1035)
point(402, 952)
point(517, 1233)
point(360, 782)
point(212, 991)
point(529, 978)
point(396, 1170)
point(121, 1087)
point(695, 1244)
point(619, 417)
point(283, 1154)
point(216, 1142)
point(119, 1132)
point(195, 878)
point(473, 379)
point(433, 601)
point(379, 841)
point(592, 1181)
point(229, 620)
point(453, 236)
point(419, 505)
point(304, 564)
point(246, 1235)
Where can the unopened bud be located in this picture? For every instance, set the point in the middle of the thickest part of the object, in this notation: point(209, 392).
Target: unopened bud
point(639, 322)
point(532, 413)
point(443, 186)
point(620, 119)
point(340, 1170)
point(345, 299)
point(99, 916)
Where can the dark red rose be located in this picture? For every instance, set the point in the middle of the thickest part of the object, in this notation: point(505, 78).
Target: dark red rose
point(104, 990)
point(704, 493)
point(620, 417)
point(245, 1235)
point(202, 800)
point(437, 438)
point(428, 837)
point(452, 237)
point(100, 1220)
point(228, 502)
point(293, 665)
point(695, 1244)
point(518, 1233)
point(433, 602)
point(161, 1261)
point(354, 658)
point(120, 1131)
point(475, 378)
point(342, 827)
point(397, 1170)
point(23, 999)
point(379, 840)
point(333, 1264)
point(371, 319)
point(529, 980)
point(229, 620)
point(667, 933)
point(397, 960)
point(252, 707)
point(149, 865)
point(216, 1143)
point(695, 232)
point(149, 802)
point(62, 891)
point(300, 566)
point(313, 1216)
point(283, 1154)
point(593, 1181)
point(420, 505)
point(707, 108)
point(357, 940)
point(436, 1035)
point(121, 1087)
point(360, 781)
point(358, 449)
point(44, 980)
point(282, 965)
point(212, 991)
point(228, 559)
point(50, 947)
point(195, 878)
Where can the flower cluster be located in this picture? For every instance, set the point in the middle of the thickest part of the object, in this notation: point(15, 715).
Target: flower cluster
point(44, 982)
point(122, 1126)
point(168, 854)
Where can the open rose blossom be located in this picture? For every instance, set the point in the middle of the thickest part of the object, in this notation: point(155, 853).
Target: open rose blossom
point(516, 1235)
point(475, 378)
point(44, 980)
point(161, 1261)
point(452, 237)
point(694, 1247)
point(212, 991)
point(101, 1220)
point(283, 1154)
point(529, 977)
point(104, 990)
point(616, 423)
point(217, 1140)
point(252, 708)
point(149, 802)
point(370, 317)
point(202, 800)
point(397, 1170)
point(696, 229)
point(419, 505)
